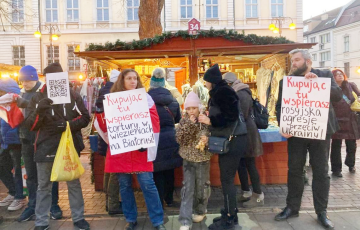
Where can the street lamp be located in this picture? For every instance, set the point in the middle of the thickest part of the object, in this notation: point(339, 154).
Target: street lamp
point(54, 34)
point(277, 23)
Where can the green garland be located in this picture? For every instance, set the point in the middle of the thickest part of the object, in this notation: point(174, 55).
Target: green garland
point(229, 35)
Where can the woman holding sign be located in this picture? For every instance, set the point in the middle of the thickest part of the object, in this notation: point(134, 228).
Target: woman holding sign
point(224, 113)
point(347, 120)
point(135, 162)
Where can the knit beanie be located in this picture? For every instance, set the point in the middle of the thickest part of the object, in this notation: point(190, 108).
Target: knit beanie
point(158, 78)
point(230, 77)
point(53, 68)
point(192, 100)
point(213, 74)
point(9, 85)
point(28, 73)
point(114, 75)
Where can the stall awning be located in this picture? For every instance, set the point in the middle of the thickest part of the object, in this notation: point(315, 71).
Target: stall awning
point(200, 51)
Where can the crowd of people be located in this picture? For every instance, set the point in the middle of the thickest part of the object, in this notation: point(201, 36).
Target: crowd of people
point(183, 141)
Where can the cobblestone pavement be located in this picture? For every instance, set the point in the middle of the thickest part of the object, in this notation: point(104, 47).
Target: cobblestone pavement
point(344, 197)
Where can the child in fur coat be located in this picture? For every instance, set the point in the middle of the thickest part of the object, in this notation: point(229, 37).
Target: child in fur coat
point(193, 137)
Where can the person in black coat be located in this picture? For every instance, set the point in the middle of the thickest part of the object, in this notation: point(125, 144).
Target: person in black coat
point(50, 121)
point(224, 112)
point(111, 183)
point(167, 158)
point(318, 149)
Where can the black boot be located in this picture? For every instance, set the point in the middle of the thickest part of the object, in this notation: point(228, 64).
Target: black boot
point(325, 221)
point(222, 212)
point(226, 223)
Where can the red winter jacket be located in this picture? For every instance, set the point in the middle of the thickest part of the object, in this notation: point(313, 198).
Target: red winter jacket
point(134, 161)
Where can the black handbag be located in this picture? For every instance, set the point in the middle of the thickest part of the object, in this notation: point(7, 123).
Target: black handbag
point(221, 145)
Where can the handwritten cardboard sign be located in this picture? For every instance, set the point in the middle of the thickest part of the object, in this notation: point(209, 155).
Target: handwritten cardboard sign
point(305, 107)
point(58, 89)
point(128, 121)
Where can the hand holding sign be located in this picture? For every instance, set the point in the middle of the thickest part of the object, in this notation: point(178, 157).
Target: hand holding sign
point(310, 75)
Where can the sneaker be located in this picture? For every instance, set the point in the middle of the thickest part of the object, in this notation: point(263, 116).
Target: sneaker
point(245, 196)
point(42, 227)
point(7, 201)
point(27, 214)
point(55, 212)
point(82, 224)
point(130, 225)
point(16, 205)
point(185, 227)
point(198, 218)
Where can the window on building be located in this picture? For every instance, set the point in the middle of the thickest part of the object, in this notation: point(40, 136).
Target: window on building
point(325, 38)
point(314, 57)
point(347, 69)
point(72, 10)
point(102, 9)
point(73, 61)
point(325, 56)
point(212, 8)
point(55, 54)
point(251, 8)
point(186, 8)
point(19, 55)
point(133, 10)
point(277, 8)
point(313, 40)
point(51, 11)
point(346, 44)
point(322, 64)
point(17, 11)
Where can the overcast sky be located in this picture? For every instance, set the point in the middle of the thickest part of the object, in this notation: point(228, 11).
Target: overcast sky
point(315, 7)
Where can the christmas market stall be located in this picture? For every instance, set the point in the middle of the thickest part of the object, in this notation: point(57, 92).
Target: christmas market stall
point(260, 62)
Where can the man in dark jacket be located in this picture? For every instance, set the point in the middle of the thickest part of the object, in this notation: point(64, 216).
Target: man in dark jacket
point(111, 182)
point(31, 85)
point(50, 121)
point(318, 149)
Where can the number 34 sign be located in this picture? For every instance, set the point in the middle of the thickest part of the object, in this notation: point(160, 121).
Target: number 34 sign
point(193, 26)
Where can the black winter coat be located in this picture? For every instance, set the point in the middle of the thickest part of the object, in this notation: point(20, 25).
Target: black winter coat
point(102, 145)
point(45, 144)
point(169, 114)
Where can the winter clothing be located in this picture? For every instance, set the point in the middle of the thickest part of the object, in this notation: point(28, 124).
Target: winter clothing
point(8, 85)
point(53, 68)
point(196, 189)
point(8, 136)
point(318, 152)
point(114, 75)
point(230, 78)
point(175, 92)
point(158, 78)
point(134, 161)
point(46, 145)
point(346, 118)
point(192, 100)
point(164, 181)
point(28, 73)
point(335, 154)
point(169, 113)
point(188, 136)
point(213, 74)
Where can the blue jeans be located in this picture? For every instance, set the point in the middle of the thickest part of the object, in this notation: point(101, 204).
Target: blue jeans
point(151, 196)
point(11, 158)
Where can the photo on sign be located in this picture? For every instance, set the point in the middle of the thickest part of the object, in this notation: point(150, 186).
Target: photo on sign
point(58, 89)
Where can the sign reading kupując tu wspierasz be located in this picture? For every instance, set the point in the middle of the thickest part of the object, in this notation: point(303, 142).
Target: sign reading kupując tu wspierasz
point(305, 107)
point(128, 121)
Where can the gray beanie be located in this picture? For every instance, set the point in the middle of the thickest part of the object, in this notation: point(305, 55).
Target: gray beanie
point(229, 77)
point(158, 78)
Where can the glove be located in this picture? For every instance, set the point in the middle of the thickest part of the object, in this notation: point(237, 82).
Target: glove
point(56, 127)
point(142, 150)
point(43, 105)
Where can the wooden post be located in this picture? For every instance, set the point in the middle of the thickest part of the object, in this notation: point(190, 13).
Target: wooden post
point(193, 64)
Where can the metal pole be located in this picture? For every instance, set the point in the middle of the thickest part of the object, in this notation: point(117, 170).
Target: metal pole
point(51, 46)
point(41, 59)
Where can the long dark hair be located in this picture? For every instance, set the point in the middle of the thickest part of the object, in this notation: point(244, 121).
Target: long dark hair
point(119, 85)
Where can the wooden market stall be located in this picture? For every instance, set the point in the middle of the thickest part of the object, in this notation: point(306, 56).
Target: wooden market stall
point(249, 57)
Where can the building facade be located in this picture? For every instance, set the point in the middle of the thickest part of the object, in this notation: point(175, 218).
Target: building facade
point(81, 22)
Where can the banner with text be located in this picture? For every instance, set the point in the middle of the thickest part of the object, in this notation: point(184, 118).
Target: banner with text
point(128, 121)
point(305, 107)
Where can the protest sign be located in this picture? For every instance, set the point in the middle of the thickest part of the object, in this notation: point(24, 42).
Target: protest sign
point(58, 89)
point(305, 107)
point(128, 121)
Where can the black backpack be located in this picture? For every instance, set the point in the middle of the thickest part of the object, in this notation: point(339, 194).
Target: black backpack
point(259, 114)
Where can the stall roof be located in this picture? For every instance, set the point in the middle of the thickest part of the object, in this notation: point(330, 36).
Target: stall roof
point(200, 51)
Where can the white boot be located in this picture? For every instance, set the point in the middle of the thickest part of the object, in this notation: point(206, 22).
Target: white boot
point(245, 196)
point(256, 200)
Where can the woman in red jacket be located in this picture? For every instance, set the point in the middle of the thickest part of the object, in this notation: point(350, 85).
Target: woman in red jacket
point(136, 162)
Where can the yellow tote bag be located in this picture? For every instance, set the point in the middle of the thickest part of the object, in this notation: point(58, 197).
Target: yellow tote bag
point(355, 106)
point(67, 165)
